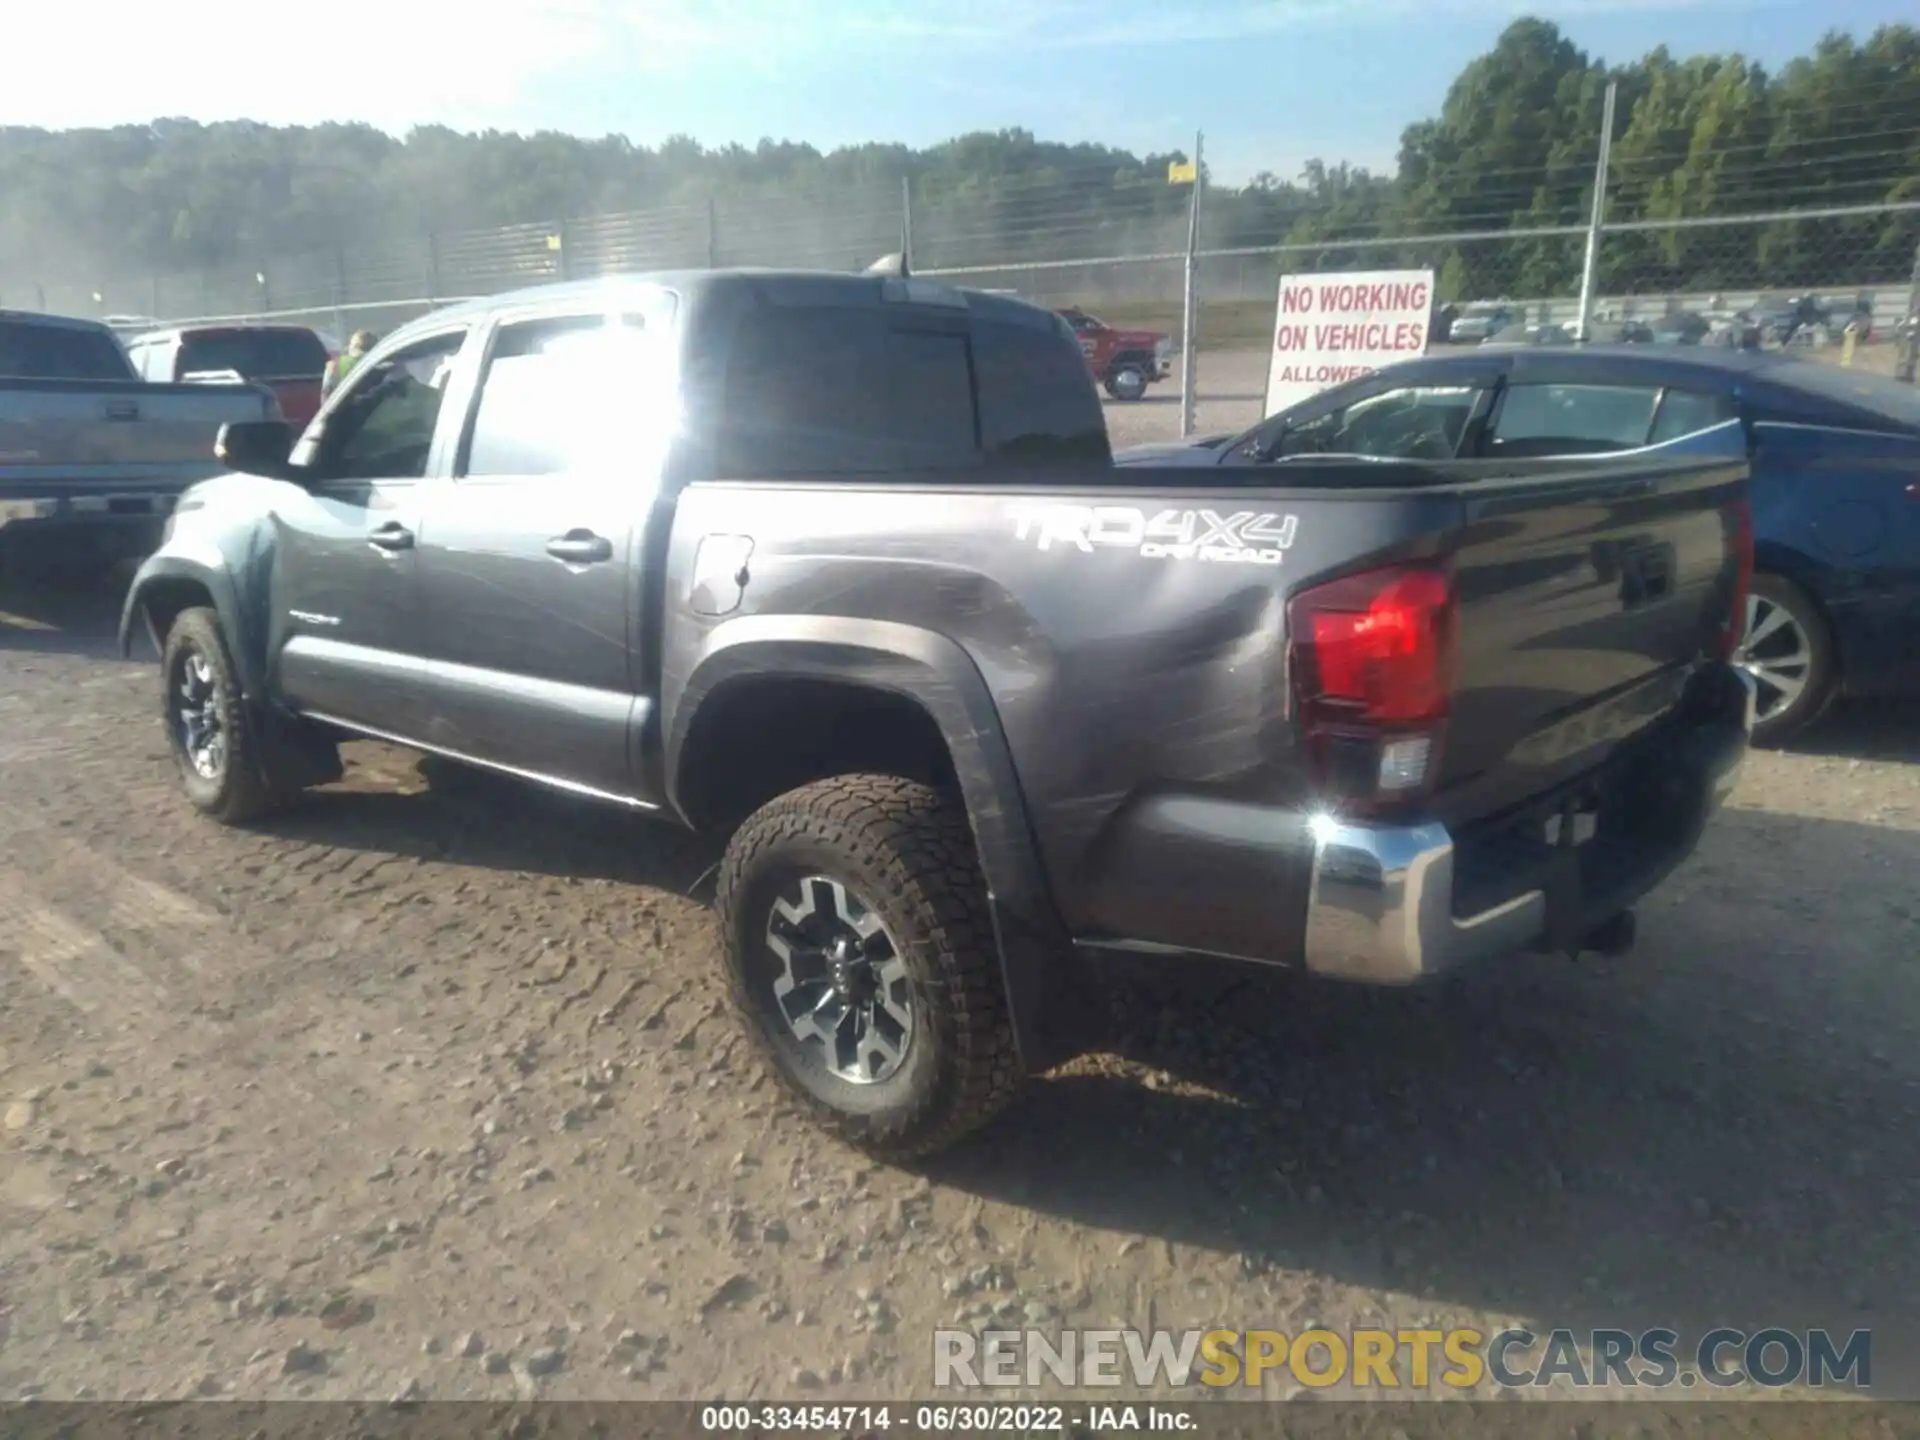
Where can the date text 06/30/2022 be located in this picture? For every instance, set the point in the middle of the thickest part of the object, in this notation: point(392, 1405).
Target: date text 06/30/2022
point(959, 1419)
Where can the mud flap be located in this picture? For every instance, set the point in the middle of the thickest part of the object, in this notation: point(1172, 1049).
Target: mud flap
point(297, 755)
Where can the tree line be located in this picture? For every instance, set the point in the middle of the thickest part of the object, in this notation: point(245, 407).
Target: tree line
point(1512, 149)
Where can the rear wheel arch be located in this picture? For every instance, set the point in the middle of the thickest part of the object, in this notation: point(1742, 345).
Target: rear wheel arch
point(824, 726)
point(871, 671)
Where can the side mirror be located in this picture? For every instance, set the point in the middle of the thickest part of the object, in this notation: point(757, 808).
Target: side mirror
point(257, 447)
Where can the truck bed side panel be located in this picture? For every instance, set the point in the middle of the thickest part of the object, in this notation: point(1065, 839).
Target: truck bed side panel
point(1133, 637)
point(1130, 685)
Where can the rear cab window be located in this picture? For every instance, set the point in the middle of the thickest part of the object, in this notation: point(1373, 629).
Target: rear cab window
point(260, 353)
point(864, 389)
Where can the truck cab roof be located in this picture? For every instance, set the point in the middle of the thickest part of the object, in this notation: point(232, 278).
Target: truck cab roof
point(696, 289)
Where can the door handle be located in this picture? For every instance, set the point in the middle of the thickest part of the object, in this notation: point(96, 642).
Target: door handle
point(123, 410)
point(391, 536)
point(580, 547)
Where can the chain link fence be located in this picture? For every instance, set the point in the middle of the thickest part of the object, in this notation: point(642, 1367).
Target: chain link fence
point(1122, 259)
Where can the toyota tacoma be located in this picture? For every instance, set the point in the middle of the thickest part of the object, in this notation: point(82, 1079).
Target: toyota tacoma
point(973, 708)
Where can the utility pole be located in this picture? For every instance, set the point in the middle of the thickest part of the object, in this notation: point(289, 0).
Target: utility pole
point(906, 224)
point(713, 236)
point(1592, 265)
point(340, 290)
point(1909, 336)
point(1189, 362)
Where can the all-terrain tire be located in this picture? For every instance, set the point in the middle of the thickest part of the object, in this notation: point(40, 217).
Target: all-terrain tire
point(905, 851)
point(241, 787)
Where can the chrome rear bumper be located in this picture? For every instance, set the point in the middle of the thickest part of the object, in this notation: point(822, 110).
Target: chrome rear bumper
point(1380, 909)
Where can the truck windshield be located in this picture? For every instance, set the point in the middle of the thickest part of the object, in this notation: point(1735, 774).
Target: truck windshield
point(291, 354)
point(30, 351)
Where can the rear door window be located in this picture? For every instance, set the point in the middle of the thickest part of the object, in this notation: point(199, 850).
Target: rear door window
point(528, 416)
point(1687, 412)
point(1541, 420)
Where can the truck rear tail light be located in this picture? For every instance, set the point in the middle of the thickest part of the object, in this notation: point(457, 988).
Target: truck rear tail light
point(1734, 628)
point(1372, 661)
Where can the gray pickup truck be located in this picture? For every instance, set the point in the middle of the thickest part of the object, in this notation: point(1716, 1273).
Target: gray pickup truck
point(839, 568)
point(90, 455)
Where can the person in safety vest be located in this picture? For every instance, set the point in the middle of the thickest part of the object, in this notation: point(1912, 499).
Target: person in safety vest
point(341, 366)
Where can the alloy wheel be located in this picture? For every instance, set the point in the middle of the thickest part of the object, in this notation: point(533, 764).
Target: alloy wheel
point(197, 718)
point(1776, 653)
point(842, 986)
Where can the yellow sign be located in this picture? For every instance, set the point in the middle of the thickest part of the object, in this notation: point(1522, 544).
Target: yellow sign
point(553, 242)
point(1179, 174)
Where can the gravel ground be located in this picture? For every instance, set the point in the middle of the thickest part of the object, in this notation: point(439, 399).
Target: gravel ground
point(1232, 396)
point(427, 1090)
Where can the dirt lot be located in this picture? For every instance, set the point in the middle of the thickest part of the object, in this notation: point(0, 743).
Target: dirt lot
point(428, 1089)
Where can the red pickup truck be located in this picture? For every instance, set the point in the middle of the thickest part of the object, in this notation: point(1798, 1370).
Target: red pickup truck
point(286, 359)
point(1125, 362)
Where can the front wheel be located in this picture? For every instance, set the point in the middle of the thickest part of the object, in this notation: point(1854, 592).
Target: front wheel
point(210, 731)
point(1788, 652)
point(1129, 382)
point(862, 959)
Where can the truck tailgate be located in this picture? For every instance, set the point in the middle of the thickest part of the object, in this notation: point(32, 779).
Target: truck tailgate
point(68, 431)
point(1587, 590)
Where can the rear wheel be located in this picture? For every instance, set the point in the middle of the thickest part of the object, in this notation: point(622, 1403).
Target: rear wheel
point(862, 960)
point(1788, 651)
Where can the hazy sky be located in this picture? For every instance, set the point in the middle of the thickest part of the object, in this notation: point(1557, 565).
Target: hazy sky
point(1272, 82)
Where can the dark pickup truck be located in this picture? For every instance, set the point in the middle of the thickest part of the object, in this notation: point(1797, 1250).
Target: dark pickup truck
point(973, 707)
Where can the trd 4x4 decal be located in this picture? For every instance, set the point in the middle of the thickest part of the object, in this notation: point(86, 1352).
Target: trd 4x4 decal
point(1246, 537)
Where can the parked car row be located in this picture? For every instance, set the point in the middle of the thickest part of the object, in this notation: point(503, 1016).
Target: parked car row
point(1767, 324)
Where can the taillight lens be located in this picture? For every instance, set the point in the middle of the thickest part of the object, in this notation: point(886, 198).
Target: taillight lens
point(1372, 659)
point(1734, 629)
